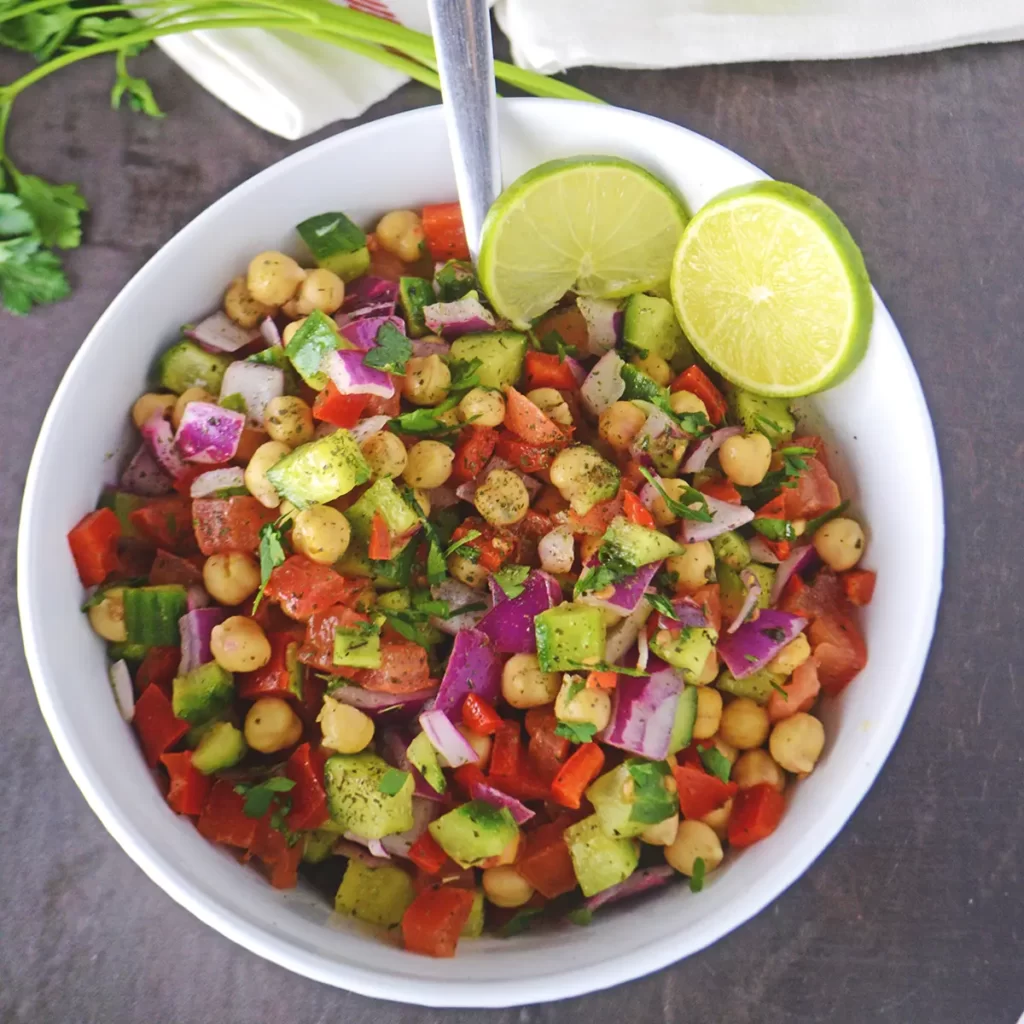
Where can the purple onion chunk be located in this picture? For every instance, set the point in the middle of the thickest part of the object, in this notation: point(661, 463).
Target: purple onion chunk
point(196, 627)
point(638, 882)
point(363, 333)
point(219, 333)
point(209, 433)
point(473, 667)
point(519, 811)
point(755, 643)
point(145, 476)
point(629, 592)
point(510, 623)
point(644, 711)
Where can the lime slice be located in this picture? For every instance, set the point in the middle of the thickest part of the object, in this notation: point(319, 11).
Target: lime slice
point(772, 291)
point(598, 226)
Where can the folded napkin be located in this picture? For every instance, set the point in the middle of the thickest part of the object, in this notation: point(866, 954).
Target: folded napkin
point(292, 86)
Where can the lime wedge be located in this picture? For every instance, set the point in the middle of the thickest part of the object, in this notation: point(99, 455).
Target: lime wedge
point(772, 291)
point(599, 226)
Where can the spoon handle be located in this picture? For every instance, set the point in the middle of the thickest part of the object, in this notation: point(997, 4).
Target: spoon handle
point(465, 62)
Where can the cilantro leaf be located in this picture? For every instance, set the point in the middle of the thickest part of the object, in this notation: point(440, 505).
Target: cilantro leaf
point(39, 32)
point(425, 421)
point(774, 529)
point(663, 605)
point(692, 422)
point(554, 344)
point(681, 507)
point(573, 689)
point(578, 732)
point(781, 689)
point(819, 521)
point(511, 579)
point(259, 796)
point(392, 351)
point(104, 29)
point(29, 275)
point(581, 916)
point(770, 424)
point(651, 799)
point(14, 218)
point(392, 781)
point(271, 556)
point(437, 566)
point(715, 762)
point(462, 541)
point(140, 95)
point(793, 463)
point(613, 567)
point(697, 878)
point(464, 374)
point(56, 210)
point(520, 921)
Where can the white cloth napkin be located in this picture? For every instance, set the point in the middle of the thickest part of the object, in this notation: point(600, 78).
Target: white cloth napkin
point(291, 86)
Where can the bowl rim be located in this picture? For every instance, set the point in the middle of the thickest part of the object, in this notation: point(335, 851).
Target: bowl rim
point(568, 980)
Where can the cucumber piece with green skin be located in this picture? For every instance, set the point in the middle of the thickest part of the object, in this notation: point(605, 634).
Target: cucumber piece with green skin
point(474, 926)
point(731, 549)
point(501, 355)
point(474, 831)
point(688, 650)
point(598, 860)
point(337, 244)
point(769, 416)
point(133, 653)
point(454, 281)
point(732, 591)
point(758, 686)
point(151, 614)
point(357, 646)
point(628, 801)
point(383, 497)
point(222, 746)
point(318, 845)
point(640, 387)
point(317, 337)
point(637, 544)
point(395, 600)
point(204, 693)
point(413, 294)
point(597, 482)
point(686, 718)
point(186, 365)
point(320, 471)
point(355, 801)
point(650, 326)
point(423, 756)
point(570, 637)
point(376, 895)
point(122, 505)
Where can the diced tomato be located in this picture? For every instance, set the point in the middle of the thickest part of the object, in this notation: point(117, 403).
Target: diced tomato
point(223, 820)
point(275, 679)
point(444, 232)
point(528, 423)
point(230, 524)
point(756, 813)
point(318, 648)
point(305, 768)
point(382, 262)
point(801, 691)
point(494, 544)
point(824, 596)
point(547, 750)
point(475, 447)
point(524, 783)
point(859, 586)
point(546, 370)
point(598, 519)
point(545, 863)
point(434, 920)
point(93, 542)
point(468, 775)
point(171, 568)
point(331, 406)
point(529, 458)
point(549, 502)
point(403, 669)
point(577, 773)
point(479, 716)
point(380, 538)
point(815, 492)
point(182, 483)
point(709, 599)
point(158, 668)
point(722, 489)
point(697, 382)
point(303, 587)
point(157, 728)
point(505, 750)
point(699, 792)
point(839, 649)
point(636, 511)
point(279, 854)
point(167, 522)
point(377, 406)
point(427, 854)
point(570, 324)
point(189, 787)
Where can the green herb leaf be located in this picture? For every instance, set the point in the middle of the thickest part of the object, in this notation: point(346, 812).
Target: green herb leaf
point(697, 878)
point(581, 916)
point(575, 687)
point(781, 689)
point(511, 579)
point(774, 529)
point(56, 210)
point(392, 351)
point(793, 463)
point(14, 218)
point(693, 423)
point(652, 802)
point(461, 542)
point(519, 922)
point(814, 524)
point(29, 275)
point(554, 344)
point(140, 95)
point(681, 507)
point(392, 781)
point(425, 421)
point(715, 762)
point(259, 796)
point(271, 556)
point(235, 402)
point(464, 374)
point(437, 567)
point(578, 732)
point(770, 424)
point(663, 605)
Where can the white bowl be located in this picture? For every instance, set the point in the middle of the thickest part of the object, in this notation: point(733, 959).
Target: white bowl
point(888, 465)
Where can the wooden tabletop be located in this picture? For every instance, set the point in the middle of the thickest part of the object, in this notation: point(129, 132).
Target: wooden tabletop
point(915, 913)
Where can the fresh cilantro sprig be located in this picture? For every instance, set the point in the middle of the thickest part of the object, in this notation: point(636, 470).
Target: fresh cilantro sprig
point(437, 565)
point(427, 421)
point(272, 554)
point(392, 781)
point(680, 507)
point(613, 567)
point(774, 529)
point(465, 375)
point(392, 351)
point(260, 795)
point(554, 344)
point(577, 732)
point(469, 537)
point(715, 762)
point(512, 579)
point(663, 605)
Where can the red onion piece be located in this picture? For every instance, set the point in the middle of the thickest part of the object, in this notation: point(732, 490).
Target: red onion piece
point(354, 847)
point(442, 497)
point(159, 436)
point(121, 684)
point(760, 552)
point(197, 598)
point(644, 711)
point(473, 667)
point(219, 333)
point(604, 384)
point(446, 739)
point(724, 517)
point(423, 347)
point(755, 643)
point(799, 561)
point(145, 476)
point(214, 480)
point(643, 651)
point(628, 593)
point(375, 703)
point(638, 882)
point(363, 332)
point(698, 458)
point(510, 623)
point(257, 384)
point(458, 595)
point(753, 587)
point(365, 429)
point(482, 791)
point(579, 374)
point(453, 319)
point(352, 377)
point(368, 296)
point(208, 433)
point(423, 813)
point(689, 615)
point(268, 330)
point(195, 628)
point(604, 323)
point(656, 425)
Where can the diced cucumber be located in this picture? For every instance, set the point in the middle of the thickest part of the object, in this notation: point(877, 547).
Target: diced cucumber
point(770, 416)
point(637, 544)
point(598, 860)
point(474, 926)
point(454, 280)
point(501, 355)
point(318, 845)
point(686, 718)
point(123, 505)
point(687, 651)
point(311, 342)
point(641, 387)
point(320, 471)
point(598, 480)
point(626, 806)
point(731, 549)
point(204, 693)
point(357, 646)
point(337, 244)
point(151, 614)
point(422, 754)
point(650, 326)
point(383, 497)
point(570, 637)
point(377, 895)
point(757, 686)
point(395, 600)
point(733, 592)
point(355, 800)
point(474, 831)
point(413, 294)
point(222, 746)
point(133, 653)
point(186, 365)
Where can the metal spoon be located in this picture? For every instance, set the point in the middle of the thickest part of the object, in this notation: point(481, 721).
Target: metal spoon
point(465, 62)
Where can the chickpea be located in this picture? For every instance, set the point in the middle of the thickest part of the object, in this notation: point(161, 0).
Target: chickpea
point(791, 657)
point(290, 330)
point(745, 459)
point(552, 404)
point(239, 644)
point(756, 766)
point(149, 404)
point(524, 685)
point(265, 457)
point(694, 839)
point(655, 367)
point(797, 743)
point(241, 307)
point(289, 420)
point(744, 724)
point(345, 729)
point(107, 616)
point(619, 424)
point(709, 713)
point(576, 471)
point(557, 550)
point(663, 833)
point(502, 499)
point(481, 745)
point(683, 402)
point(321, 533)
point(271, 725)
point(231, 576)
point(188, 396)
point(322, 290)
point(401, 232)
point(591, 706)
point(718, 819)
point(839, 543)
point(427, 380)
point(694, 567)
point(675, 489)
point(467, 571)
point(273, 278)
point(385, 454)
point(428, 465)
point(505, 887)
point(482, 408)
point(423, 500)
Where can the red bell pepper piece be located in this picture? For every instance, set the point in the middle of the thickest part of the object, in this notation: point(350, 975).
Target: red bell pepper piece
point(546, 370)
point(380, 539)
point(305, 768)
point(427, 855)
point(158, 668)
point(494, 544)
point(189, 787)
point(157, 728)
point(756, 813)
point(545, 862)
point(403, 669)
point(444, 232)
point(93, 542)
point(709, 599)
point(636, 511)
point(223, 819)
point(279, 854)
point(475, 447)
point(479, 715)
point(277, 677)
point(303, 587)
point(859, 586)
point(523, 784)
point(467, 775)
point(699, 792)
point(775, 509)
point(331, 406)
point(839, 649)
point(505, 750)
point(434, 920)
point(577, 773)
point(530, 458)
point(723, 489)
point(167, 522)
point(230, 524)
point(697, 382)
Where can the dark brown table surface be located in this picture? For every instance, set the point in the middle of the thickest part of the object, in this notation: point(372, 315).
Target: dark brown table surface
point(915, 913)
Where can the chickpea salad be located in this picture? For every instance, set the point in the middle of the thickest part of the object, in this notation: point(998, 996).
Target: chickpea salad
point(475, 627)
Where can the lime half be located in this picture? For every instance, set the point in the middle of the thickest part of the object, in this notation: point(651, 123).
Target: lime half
point(599, 226)
point(772, 291)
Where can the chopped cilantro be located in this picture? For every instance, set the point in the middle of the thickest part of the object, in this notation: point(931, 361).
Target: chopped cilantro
point(581, 916)
point(511, 579)
point(578, 732)
point(793, 463)
point(464, 374)
point(392, 781)
point(462, 541)
point(819, 521)
point(781, 689)
point(681, 507)
point(697, 878)
point(391, 352)
point(259, 796)
point(662, 604)
point(437, 567)
point(235, 402)
point(575, 687)
point(774, 529)
point(752, 658)
point(271, 556)
point(425, 421)
point(554, 344)
point(692, 422)
point(613, 567)
point(715, 762)
point(652, 801)
point(770, 424)
point(519, 922)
